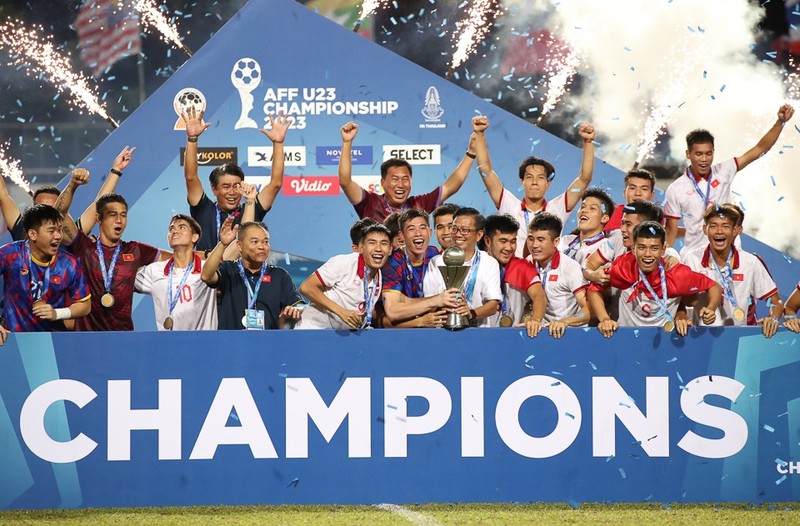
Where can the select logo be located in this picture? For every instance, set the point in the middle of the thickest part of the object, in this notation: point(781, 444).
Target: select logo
point(214, 156)
point(262, 156)
point(414, 153)
point(311, 185)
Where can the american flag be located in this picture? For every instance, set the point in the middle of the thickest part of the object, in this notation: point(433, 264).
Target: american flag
point(107, 32)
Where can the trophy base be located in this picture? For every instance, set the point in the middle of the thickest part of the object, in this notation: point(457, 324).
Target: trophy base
point(456, 322)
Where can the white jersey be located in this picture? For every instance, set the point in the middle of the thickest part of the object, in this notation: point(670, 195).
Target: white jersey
point(684, 201)
point(561, 281)
point(610, 248)
point(572, 246)
point(343, 279)
point(486, 288)
point(519, 275)
point(511, 205)
point(196, 309)
point(747, 277)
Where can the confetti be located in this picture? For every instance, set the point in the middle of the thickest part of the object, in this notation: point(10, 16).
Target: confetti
point(769, 428)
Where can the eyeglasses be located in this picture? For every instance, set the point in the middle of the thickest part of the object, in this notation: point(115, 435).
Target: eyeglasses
point(464, 230)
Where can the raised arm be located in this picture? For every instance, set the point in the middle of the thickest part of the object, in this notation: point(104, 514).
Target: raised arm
point(7, 205)
point(276, 134)
point(785, 113)
point(227, 234)
point(80, 176)
point(89, 217)
point(584, 179)
point(351, 189)
point(194, 129)
point(456, 180)
point(490, 180)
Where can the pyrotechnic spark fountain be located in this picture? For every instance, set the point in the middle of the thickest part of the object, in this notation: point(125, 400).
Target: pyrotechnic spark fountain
point(10, 168)
point(368, 7)
point(470, 30)
point(562, 64)
point(35, 56)
point(154, 18)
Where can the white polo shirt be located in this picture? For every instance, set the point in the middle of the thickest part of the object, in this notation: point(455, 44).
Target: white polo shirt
point(572, 246)
point(343, 279)
point(684, 202)
point(196, 309)
point(562, 281)
point(748, 277)
point(511, 205)
point(487, 283)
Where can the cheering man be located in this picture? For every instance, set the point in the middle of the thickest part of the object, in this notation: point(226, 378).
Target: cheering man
point(593, 215)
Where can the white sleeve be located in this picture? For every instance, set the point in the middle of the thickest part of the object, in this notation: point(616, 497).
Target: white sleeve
point(509, 203)
point(144, 280)
point(491, 291)
point(671, 252)
point(672, 208)
point(332, 270)
point(433, 283)
point(763, 284)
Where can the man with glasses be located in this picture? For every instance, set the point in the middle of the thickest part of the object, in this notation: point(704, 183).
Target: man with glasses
point(481, 293)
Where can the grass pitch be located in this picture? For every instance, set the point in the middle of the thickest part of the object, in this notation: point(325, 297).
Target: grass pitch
point(422, 515)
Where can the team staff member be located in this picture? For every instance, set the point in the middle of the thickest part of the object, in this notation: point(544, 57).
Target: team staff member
point(110, 265)
point(226, 179)
point(739, 273)
point(40, 280)
point(396, 183)
point(652, 295)
point(561, 278)
point(481, 292)
point(535, 175)
point(181, 300)
point(344, 291)
point(705, 183)
point(253, 294)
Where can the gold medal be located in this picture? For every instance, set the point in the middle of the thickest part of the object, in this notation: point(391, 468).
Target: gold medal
point(38, 303)
point(526, 318)
point(168, 323)
point(738, 314)
point(107, 300)
point(506, 321)
point(669, 326)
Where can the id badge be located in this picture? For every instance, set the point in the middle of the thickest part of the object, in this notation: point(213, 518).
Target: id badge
point(253, 320)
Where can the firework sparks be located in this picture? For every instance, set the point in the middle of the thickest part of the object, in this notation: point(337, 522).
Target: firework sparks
point(155, 19)
point(471, 30)
point(368, 7)
point(10, 168)
point(37, 57)
point(561, 66)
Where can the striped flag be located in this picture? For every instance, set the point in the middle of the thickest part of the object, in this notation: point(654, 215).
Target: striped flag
point(107, 32)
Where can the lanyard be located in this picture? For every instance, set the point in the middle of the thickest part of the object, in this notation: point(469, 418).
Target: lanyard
point(413, 275)
point(390, 209)
point(662, 302)
point(504, 302)
point(251, 294)
point(725, 278)
point(174, 300)
point(219, 219)
point(37, 292)
point(372, 289)
point(108, 273)
point(707, 195)
point(473, 275)
point(575, 244)
point(543, 272)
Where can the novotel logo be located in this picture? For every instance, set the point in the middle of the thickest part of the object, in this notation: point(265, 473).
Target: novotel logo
point(352, 403)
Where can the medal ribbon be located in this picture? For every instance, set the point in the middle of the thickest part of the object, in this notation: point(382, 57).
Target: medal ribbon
point(40, 291)
point(372, 289)
point(543, 272)
point(108, 273)
point(412, 275)
point(662, 302)
point(726, 278)
point(575, 244)
point(504, 302)
point(219, 219)
point(472, 277)
point(390, 209)
point(707, 195)
point(174, 300)
point(251, 294)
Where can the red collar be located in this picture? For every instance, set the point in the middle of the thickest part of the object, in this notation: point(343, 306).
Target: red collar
point(195, 268)
point(361, 266)
point(697, 178)
point(554, 261)
point(525, 208)
point(706, 262)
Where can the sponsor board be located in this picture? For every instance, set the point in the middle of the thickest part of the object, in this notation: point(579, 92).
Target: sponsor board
point(330, 155)
point(262, 156)
point(370, 183)
point(214, 156)
point(311, 185)
point(414, 153)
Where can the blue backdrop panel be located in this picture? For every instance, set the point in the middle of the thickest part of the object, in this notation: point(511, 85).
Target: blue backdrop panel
point(436, 368)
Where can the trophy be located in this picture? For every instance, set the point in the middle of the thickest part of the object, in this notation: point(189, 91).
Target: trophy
point(454, 273)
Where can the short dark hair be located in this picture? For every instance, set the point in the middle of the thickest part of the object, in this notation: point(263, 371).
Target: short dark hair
point(225, 169)
point(105, 199)
point(375, 227)
point(445, 209)
point(49, 189)
point(412, 213)
point(502, 223)
point(37, 215)
point(738, 209)
point(391, 163)
point(357, 229)
point(193, 224)
point(247, 226)
point(641, 174)
point(392, 222)
point(536, 161)
point(699, 136)
point(548, 222)
point(728, 211)
point(650, 230)
point(471, 212)
point(601, 195)
point(647, 210)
